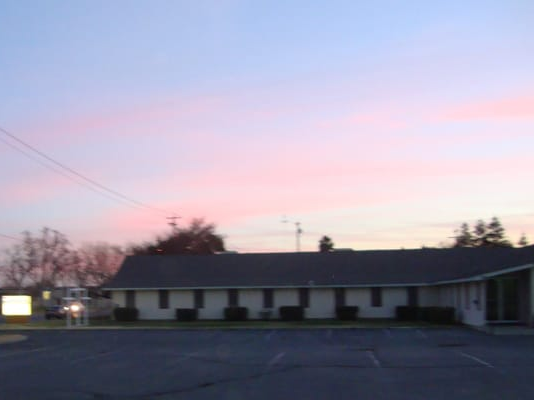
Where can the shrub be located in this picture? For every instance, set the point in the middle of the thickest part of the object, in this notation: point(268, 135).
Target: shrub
point(126, 313)
point(266, 314)
point(439, 315)
point(347, 313)
point(186, 314)
point(291, 313)
point(407, 313)
point(236, 313)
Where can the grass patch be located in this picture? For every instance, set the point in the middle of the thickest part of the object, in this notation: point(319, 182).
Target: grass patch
point(221, 324)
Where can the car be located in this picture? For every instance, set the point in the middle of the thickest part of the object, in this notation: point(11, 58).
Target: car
point(57, 311)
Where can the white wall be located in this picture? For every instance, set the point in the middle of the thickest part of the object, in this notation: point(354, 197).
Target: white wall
point(119, 297)
point(181, 299)
point(214, 303)
point(284, 297)
point(391, 298)
point(428, 296)
point(446, 297)
point(253, 300)
point(322, 303)
point(147, 302)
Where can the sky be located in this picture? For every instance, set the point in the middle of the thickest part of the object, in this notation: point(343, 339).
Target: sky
point(382, 124)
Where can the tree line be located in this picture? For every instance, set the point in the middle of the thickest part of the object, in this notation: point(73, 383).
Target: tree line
point(48, 259)
point(484, 234)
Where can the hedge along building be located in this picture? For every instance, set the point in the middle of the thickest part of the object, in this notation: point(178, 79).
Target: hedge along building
point(482, 284)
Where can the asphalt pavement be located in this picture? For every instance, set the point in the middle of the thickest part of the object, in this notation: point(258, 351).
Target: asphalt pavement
point(373, 364)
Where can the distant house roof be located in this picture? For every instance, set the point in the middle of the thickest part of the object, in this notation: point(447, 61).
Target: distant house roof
point(336, 269)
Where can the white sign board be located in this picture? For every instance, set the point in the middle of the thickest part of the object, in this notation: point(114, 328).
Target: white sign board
point(16, 305)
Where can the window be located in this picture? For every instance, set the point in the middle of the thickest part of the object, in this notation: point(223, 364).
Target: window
point(233, 298)
point(268, 298)
point(304, 297)
point(376, 297)
point(413, 298)
point(467, 296)
point(199, 298)
point(163, 298)
point(130, 298)
point(339, 294)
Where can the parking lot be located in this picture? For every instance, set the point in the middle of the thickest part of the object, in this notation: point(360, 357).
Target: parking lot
point(268, 364)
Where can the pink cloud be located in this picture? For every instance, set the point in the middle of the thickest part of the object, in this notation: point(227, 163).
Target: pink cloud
point(36, 188)
point(125, 121)
point(511, 108)
point(382, 120)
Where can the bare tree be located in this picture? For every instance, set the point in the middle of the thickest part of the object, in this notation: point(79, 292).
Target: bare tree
point(39, 261)
point(15, 270)
point(48, 255)
point(95, 263)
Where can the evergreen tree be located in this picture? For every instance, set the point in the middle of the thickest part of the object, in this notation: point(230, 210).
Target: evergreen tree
point(480, 234)
point(522, 241)
point(326, 244)
point(463, 237)
point(495, 236)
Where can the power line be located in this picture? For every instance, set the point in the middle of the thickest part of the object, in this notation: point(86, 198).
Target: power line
point(9, 237)
point(95, 184)
point(64, 174)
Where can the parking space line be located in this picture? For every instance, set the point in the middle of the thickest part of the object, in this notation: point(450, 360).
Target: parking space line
point(478, 360)
point(373, 358)
point(275, 359)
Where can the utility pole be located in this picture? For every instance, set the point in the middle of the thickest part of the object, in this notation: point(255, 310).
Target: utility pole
point(298, 231)
point(172, 222)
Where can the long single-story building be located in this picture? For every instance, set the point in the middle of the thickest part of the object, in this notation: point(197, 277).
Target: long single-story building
point(484, 285)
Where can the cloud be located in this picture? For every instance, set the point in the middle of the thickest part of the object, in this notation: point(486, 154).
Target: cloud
point(520, 107)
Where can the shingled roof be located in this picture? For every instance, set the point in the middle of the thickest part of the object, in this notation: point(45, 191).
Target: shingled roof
point(335, 269)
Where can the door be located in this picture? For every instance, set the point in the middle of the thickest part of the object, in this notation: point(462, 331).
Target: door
point(502, 300)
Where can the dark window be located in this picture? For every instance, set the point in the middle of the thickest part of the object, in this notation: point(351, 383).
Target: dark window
point(199, 298)
point(339, 297)
point(268, 298)
point(304, 297)
point(413, 297)
point(376, 297)
point(233, 298)
point(130, 298)
point(163, 298)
